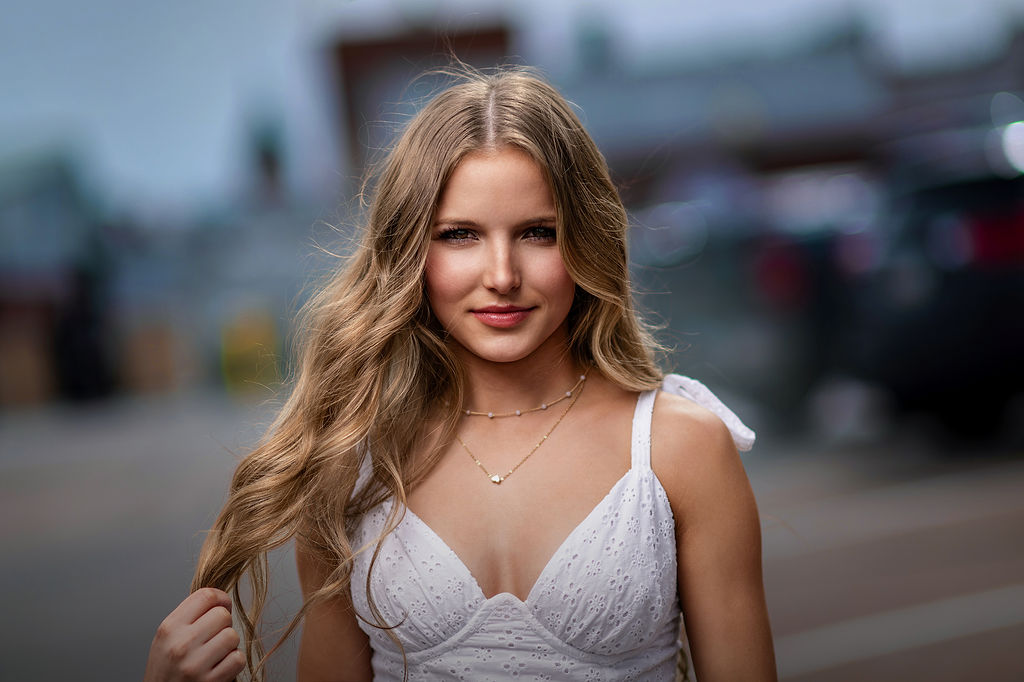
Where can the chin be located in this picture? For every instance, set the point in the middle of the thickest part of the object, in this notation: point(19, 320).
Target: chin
point(502, 358)
point(499, 354)
point(510, 348)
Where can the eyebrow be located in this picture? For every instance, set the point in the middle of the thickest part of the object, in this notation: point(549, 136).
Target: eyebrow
point(473, 223)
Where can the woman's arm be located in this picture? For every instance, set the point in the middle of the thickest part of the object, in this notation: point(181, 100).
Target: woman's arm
point(332, 648)
point(718, 540)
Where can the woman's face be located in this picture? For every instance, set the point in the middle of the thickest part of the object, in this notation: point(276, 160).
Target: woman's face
point(494, 276)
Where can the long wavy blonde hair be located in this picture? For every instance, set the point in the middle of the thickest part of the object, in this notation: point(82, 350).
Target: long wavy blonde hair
point(374, 363)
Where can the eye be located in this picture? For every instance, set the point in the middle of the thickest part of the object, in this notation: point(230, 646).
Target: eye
point(455, 234)
point(542, 233)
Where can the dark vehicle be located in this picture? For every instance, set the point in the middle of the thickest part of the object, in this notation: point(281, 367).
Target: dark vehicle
point(737, 301)
point(939, 322)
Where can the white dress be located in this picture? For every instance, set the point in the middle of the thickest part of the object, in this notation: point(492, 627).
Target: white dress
point(605, 606)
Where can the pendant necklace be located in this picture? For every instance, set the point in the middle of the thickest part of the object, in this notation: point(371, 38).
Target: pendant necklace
point(498, 478)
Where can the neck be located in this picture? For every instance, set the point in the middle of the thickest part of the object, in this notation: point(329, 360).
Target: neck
point(520, 385)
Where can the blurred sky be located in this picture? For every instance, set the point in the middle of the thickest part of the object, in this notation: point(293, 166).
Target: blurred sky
point(155, 99)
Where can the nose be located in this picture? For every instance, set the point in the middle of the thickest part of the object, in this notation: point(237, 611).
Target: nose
point(501, 273)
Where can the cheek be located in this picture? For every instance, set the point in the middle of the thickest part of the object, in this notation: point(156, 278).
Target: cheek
point(434, 293)
point(558, 283)
point(441, 280)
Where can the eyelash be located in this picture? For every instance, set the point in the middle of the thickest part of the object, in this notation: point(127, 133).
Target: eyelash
point(461, 234)
point(548, 232)
point(450, 234)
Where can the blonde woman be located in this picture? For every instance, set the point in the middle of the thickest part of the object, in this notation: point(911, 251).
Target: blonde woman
point(481, 475)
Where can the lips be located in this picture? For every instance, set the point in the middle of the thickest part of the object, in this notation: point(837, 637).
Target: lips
point(501, 316)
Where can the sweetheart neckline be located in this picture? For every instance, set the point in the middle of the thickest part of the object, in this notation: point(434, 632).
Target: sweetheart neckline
point(472, 580)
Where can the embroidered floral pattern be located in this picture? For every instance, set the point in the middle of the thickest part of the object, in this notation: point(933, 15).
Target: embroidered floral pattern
point(604, 608)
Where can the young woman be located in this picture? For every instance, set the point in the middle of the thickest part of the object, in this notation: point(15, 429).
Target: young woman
point(481, 476)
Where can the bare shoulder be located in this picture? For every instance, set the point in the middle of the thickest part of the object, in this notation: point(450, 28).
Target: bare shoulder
point(695, 458)
point(687, 437)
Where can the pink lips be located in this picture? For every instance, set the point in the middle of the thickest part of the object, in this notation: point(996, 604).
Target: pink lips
point(501, 316)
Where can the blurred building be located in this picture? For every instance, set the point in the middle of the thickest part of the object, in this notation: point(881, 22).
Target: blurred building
point(772, 193)
point(54, 274)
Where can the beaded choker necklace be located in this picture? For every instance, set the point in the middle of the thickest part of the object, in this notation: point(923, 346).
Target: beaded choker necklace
point(497, 479)
point(520, 413)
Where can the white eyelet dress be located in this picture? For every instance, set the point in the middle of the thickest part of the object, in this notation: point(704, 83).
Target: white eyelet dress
point(604, 608)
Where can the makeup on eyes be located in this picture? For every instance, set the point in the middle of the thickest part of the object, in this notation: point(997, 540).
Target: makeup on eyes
point(542, 231)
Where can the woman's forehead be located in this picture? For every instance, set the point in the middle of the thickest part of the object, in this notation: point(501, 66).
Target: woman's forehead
point(505, 183)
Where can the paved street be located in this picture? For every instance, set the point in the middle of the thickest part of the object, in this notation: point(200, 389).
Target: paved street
point(882, 562)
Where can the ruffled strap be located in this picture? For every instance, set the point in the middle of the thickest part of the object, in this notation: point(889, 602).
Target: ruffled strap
point(693, 390)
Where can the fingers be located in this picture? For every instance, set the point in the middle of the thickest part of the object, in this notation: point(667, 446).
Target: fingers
point(198, 603)
point(229, 667)
point(211, 632)
point(220, 652)
point(196, 642)
point(211, 623)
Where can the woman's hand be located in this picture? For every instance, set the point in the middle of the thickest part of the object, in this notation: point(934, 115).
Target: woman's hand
point(196, 642)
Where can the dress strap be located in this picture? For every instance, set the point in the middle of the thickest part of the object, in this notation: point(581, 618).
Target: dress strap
point(693, 390)
point(640, 457)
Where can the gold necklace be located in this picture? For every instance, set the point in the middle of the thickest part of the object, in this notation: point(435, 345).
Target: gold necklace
point(496, 479)
point(520, 413)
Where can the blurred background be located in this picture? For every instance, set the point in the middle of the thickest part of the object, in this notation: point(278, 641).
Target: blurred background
point(828, 218)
